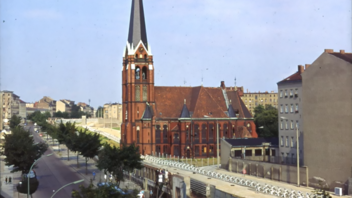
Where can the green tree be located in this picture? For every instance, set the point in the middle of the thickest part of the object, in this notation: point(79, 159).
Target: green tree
point(15, 121)
point(58, 114)
point(266, 121)
point(100, 112)
point(116, 160)
point(38, 117)
point(20, 150)
point(91, 145)
point(65, 135)
point(100, 192)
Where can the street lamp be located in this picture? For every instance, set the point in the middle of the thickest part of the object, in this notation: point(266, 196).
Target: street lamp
point(75, 182)
point(297, 140)
point(32, 167)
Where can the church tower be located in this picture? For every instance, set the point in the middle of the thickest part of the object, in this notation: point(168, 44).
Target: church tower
point(137, 84)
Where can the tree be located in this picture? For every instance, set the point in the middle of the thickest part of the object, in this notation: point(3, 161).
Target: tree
point(38, 117)
point(266, 121)
point(105, 191)
point(15, 121)
point(91, 145)
point(116, 160)
point(20, 150)
point(58, 114)
point(65, 135)
point(100, 112)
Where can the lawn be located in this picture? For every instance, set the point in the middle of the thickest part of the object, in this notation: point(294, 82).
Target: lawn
point(102, 138)
point(116, 128)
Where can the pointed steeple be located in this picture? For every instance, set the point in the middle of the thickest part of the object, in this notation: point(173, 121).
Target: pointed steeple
point(137, 31)
point(185, 113)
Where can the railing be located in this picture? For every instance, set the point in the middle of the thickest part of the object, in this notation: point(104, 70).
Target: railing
point(272, 159)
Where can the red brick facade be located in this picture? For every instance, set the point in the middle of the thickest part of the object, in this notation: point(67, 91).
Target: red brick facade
point(180, 121)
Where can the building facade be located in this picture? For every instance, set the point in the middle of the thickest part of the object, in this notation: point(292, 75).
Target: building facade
point(327, 104)
point(113, 110)
point(11, 105)
point(180, 121)
point(64, 105)
point(47, 103)
point(86, 108)
point(290, 117)
point(253, 99)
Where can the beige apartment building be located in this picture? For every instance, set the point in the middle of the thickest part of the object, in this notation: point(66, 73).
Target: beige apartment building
point(64, 105)
point(253, 99)
point(113, 110)
point(11, 105)
point(327, 119)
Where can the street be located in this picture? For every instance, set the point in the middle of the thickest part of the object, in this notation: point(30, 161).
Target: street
point(52, 174)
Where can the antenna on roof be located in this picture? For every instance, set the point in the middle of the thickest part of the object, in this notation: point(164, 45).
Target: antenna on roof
point(235, 81)
point(184, 82)
point(89, 102)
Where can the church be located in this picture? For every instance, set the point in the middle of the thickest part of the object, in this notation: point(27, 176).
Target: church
point(177, 121)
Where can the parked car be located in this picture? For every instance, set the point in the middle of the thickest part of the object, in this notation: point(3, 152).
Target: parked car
point(115, 187)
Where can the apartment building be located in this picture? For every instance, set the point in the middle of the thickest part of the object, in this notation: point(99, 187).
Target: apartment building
point(47, 103)
point(12, 105)
point(86, 108)
point(113, 110)
point(327, 119)
point(64, 105)
point(290, 116)
point(253, 99)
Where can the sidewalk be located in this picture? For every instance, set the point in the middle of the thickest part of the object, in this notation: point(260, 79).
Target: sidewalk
point(6, 189)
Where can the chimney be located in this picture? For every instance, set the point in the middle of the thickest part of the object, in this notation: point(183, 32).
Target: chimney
point(300, 69)
point(342, 51)
point(307, 65)
point(222, 85)
point(329, 50)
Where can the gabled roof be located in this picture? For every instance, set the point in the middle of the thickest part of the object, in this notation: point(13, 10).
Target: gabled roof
point(185, 113)
point(200, 102)
point(294, 77)
point(344, 56)
point(148, 112)
point(253, 141)
point(137, 30)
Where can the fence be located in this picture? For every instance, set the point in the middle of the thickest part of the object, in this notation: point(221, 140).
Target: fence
point(273, 159)
point(279, 172)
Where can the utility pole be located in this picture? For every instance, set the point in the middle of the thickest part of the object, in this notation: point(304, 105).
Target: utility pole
point(297, 157)
point(217, 142)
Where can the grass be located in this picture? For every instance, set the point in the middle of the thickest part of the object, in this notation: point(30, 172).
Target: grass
point(116, 128)
point(102, 138)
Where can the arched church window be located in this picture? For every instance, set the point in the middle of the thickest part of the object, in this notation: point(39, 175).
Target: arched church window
point(144, 73)
point(136, 56)
point(145, 93)
point(137, 73)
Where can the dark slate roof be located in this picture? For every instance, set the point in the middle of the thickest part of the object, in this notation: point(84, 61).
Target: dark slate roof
point(231, 111)
point(185, 112)
point(294, 77)
point(148, 113)
point(253, 141)
point(137, 31)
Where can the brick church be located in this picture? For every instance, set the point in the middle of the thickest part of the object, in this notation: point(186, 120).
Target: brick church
point(181, 121)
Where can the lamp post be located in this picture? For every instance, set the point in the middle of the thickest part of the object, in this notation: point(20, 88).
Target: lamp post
point(75, 182)
point(31, 170)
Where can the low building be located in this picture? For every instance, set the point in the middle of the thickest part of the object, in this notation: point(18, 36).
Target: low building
point(253, 99)
point(256, 149)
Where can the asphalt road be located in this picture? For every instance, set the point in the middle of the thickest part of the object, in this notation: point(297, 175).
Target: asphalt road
point(52, 174)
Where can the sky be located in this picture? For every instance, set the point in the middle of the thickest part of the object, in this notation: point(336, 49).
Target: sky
point(73, 49)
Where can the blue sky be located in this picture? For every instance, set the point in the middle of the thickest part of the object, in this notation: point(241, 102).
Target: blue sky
point(73, 49)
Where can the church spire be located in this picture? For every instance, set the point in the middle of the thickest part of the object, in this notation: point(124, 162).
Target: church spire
point(137, 31)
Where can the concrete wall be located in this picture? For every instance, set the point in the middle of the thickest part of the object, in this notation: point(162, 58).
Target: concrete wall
point(272, 171)
point(327, 96)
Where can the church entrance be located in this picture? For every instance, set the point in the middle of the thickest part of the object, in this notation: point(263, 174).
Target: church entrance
point(188, 153)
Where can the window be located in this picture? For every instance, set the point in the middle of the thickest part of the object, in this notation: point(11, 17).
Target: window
point(291, 93)
point(286, 140)
point(286, 93)
point(145, 93)
point(296, 108)
point(144, 73)
point(256, 97)
point(291, 124)
point(291, 108)
point(137, 73)
point(280, 93)
point(270, 100)
point(282, 124)
point(137, 93)
point(248, 152)
point(297, 125)
point(282, 140)
point(258, 152)
point(286, 124)
point(286, 109)
point(292, 142)
point(204, 150)
point(296, 93)
point(256, 103)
